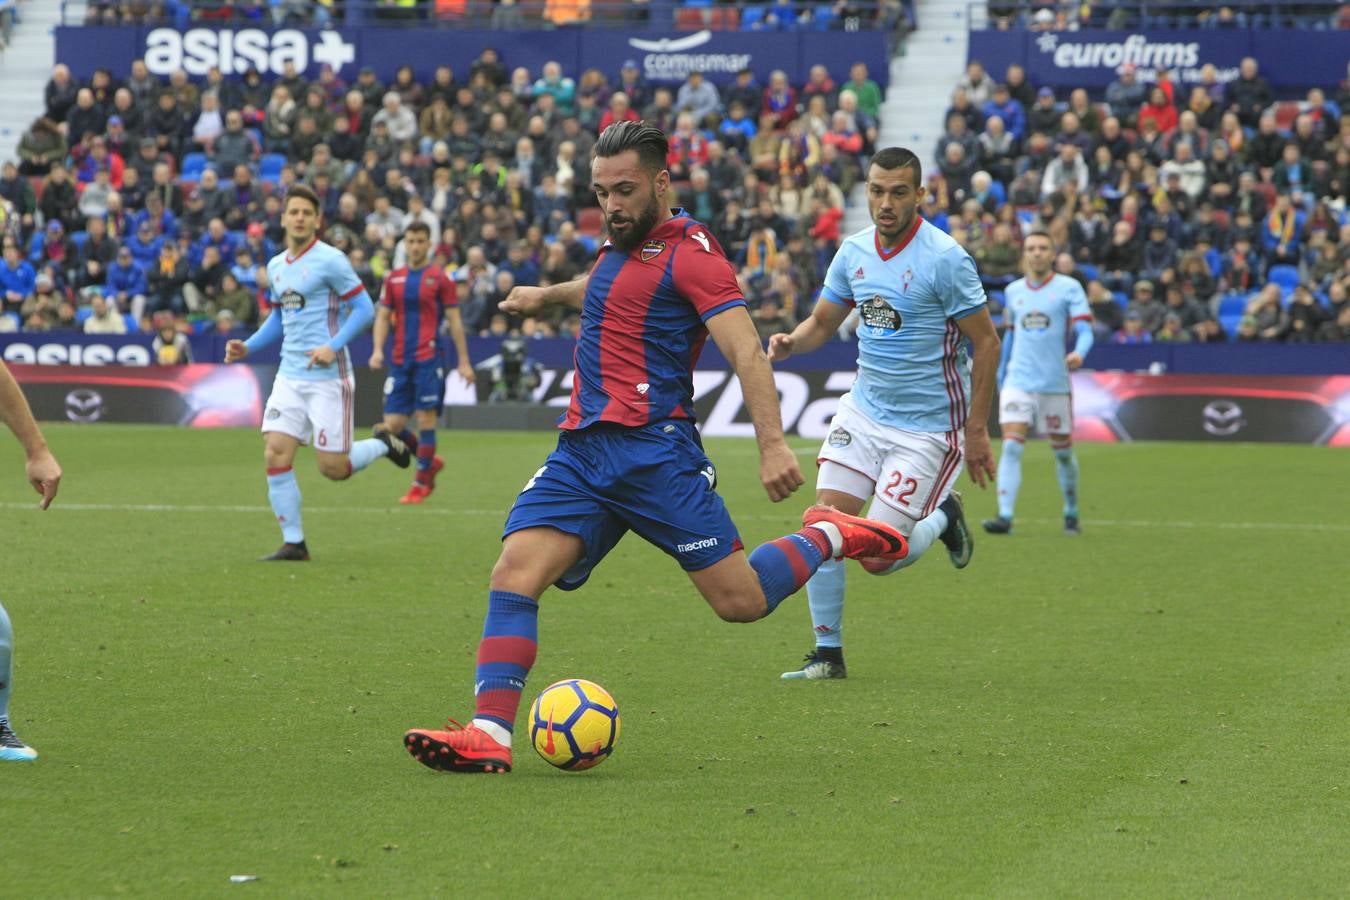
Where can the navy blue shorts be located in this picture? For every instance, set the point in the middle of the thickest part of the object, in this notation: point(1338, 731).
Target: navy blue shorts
point(413, 386)
point(605, 480)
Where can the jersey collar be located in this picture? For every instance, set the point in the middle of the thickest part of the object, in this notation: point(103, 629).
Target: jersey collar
point(892, 253)
point(290, 259)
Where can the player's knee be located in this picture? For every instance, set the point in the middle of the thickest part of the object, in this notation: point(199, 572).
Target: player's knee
point(741, 608)
point(517, 574)
point(335, 469)
point(276, 458)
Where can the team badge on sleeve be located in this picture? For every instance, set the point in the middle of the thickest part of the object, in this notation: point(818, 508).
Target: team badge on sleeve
point(877, 313)
point(652, 249)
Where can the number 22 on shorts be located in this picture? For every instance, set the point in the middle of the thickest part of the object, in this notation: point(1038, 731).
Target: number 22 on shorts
point(907, 488)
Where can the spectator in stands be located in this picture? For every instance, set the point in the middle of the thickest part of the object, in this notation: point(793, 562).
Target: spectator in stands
point(1126, 94)
point(1122, 257)
point(1172, 331)
point(170, 346)
point(41, 147)
point(698, 97)
point(126, 283)
point(1067, 166)
point(820, 84)
point(210, 124)
point(104, 318)
point(865, 90)
point(634, 85)
point(397, 117)
point(1282, 231)
point(166, 124)
point(1249, 94)
point(1071, 131)
point(42, 310)
point(17, 277)
point(1311, 143)
point(779, 100)
point(1044, 115)
point(1133, 331)
point(1158, 112)
point(1189, 171)
point(1002, 104)
point(1270, 318)
point(562, 89)
point(976, 83)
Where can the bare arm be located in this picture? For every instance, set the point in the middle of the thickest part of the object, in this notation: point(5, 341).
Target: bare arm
point(819, 327)
point(379, 333)
point(979, 328)
point(463, 364)
point(43, 472)
point(735, 335)
point(527, 300)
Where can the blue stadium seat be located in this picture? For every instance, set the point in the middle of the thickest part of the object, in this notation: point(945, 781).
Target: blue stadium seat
point(270, 166)
point(79, 237)
point(1232, 305)
point(1026, 216)
point(998, 192)
point(1089, 271)
point(752, 19)
point(132, 325)
point(35, 246)
point(82, 313)
point(1122, 299)
point(193, 166)
point(1285, 276)
point(1229, 324)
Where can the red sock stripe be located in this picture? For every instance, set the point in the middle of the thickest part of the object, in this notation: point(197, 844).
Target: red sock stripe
point(819, 540)
point(508, 648)
point(1061, 446)
point(801, 571)
point(499, 704)
point(426, 451)
point(279, 471)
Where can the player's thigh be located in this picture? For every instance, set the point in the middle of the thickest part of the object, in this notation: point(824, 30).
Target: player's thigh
point(330, 404)
point(850, 457)
point(844, 489)
point(534, 558)
point(1016, 408)
point(429, 387)
point(1055, 414)
point(400, 392)
point(286, 412)
point(558, 497)
point(919, 472)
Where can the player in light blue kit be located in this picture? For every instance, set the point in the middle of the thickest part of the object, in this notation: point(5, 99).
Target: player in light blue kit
point(1033, 375)
point(916, 412)
point(319, 305)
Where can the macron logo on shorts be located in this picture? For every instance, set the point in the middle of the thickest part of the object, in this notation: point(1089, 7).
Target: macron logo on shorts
point(696, 545)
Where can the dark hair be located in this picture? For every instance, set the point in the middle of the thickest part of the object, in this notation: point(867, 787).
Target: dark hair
point(647, 140)
point(304, 193)
point(419, 226)
point(1040, 233)
point(899, 158)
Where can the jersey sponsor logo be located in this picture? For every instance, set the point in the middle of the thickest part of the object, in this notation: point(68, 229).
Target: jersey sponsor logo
point(642, 388)
point(709, 473)
point(1035, 321)
point(703, 240)
point(840, 438)
point(703, 544)
point(292, 301)
point(652, 249)
point(877, 313)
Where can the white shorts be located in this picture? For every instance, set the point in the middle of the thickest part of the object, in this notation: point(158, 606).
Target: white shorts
point(317, 412)
point(1050, 413)
point(908, 472)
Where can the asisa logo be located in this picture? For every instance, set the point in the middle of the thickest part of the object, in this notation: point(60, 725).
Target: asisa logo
point(198, 50)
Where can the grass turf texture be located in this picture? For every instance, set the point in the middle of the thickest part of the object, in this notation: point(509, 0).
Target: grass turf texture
point(1154, 708)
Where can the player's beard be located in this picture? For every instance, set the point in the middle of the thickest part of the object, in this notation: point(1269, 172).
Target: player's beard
point(638, 228)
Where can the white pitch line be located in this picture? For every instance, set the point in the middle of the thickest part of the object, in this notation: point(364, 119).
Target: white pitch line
point(59, 506)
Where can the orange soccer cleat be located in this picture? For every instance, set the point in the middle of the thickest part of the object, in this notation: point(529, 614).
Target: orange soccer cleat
point(863, 538)
point(459, 748)
point(416, 494)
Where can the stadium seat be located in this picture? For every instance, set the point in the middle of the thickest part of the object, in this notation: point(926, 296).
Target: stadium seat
point(193, 166)
point(35, 246)
point(1089, 271)
point(270, 166)
point(78, 238)
point(1232, 305)
point(132, 325)
point(692, 19)
point(998, 192)
point(82, 313)
point(590, 221)
point(1268, 192)
point(752, 19)
point(1122, 299)
point(1285, 276)
point(725, 18)
point(1286, 111)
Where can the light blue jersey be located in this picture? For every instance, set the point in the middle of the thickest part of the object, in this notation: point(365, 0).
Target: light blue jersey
point(913, 371)
point(314, 293)
point(1040, 319)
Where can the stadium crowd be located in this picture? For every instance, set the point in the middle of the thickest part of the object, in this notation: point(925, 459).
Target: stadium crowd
point(1205, 213)
point(1211, 214)
point(146, 197)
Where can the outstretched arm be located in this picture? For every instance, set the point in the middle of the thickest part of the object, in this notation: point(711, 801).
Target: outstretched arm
point(819, 327)
point(735, 335)
point(527, 300)
point(43, 472)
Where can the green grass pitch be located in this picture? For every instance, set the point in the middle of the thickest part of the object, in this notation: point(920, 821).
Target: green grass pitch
point(1155, 708)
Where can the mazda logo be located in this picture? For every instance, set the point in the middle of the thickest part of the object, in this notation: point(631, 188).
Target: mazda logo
point(1222, 418)
point(84, 405)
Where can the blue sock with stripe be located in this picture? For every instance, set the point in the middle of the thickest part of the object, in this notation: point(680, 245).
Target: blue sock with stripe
point(283, 491)
point(505, 657)
point(426, 452)
point(366, 452)
point(785, 564)
point(825, 597)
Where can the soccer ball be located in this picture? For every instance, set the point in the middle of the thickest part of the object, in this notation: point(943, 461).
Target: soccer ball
point(574, 724)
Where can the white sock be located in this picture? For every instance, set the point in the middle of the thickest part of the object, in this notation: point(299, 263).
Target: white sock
point(831, 531)
point(493, 730)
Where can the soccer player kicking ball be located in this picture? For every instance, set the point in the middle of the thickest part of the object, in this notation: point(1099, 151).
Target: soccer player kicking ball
point(413, 299)
point(319, 305)
point(1033, 375)
point(45, 476)
point(904, 429)
point(629, 457)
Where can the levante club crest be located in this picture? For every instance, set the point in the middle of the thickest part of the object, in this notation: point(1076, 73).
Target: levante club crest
point(652, 249)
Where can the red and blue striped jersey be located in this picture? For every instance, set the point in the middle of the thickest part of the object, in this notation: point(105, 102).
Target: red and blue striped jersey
point(642, 326)
point(418, 299)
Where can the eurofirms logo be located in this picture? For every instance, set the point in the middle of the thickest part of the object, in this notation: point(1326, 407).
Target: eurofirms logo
point(198, 50)
point(1146, 55)
point(670, 59)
